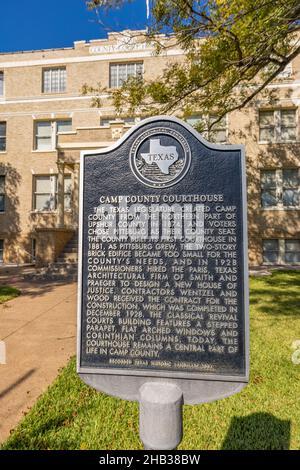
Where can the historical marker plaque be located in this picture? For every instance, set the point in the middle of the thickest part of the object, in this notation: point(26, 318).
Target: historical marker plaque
point(163, 270)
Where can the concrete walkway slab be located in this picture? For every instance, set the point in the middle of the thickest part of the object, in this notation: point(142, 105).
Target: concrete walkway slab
point(39, 330)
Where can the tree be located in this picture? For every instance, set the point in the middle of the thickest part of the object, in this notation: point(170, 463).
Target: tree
point(233, 50)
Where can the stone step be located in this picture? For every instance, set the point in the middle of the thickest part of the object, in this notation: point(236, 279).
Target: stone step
point(61, 276)
point(73, 244)
point(56, 271)
point(67, 258)
point(70, 250)
point(66, 261)
point(64, 267)
point(53, 277)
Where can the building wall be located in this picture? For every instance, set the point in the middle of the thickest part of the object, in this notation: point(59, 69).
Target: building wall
point(24, 102)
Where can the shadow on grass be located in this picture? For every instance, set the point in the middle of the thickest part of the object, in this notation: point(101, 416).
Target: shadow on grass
point(258, 431)
point(284, 289)
point(45, 435)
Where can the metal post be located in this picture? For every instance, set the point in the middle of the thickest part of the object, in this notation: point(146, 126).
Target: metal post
point(160, 415)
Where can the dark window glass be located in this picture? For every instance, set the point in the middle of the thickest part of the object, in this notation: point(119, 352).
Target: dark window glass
point(2, 193)
point(270, 251)
point(1, 250)
point(2, 136)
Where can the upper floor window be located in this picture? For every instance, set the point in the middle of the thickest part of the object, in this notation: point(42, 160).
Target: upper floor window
point(46, 133)
point(280, 188)
point(55, 80)
point(45, 192)
point(1, 83)
point(218, 129)
point(2, 136)
point(2, 193)
point(119, 73)
point(278, 125)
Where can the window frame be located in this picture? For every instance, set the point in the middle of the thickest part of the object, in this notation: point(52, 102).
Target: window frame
point(51, 91)
point(207, 120)
point(278, 125)
point(269, 263)
point(281, 260)
point(53, 192)
point(4, 138)
point(54, 131)
point(118, 64)
point(295, 263)
point(279, 188)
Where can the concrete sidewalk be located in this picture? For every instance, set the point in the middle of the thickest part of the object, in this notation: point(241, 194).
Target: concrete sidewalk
point(39, 332)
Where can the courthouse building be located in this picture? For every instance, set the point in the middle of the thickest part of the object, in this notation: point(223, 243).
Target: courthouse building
point(45, 122)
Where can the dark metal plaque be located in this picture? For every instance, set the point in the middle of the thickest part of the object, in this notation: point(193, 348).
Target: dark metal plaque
point(163, 284)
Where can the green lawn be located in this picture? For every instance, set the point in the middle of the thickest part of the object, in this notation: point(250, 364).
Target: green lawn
point(265, 415)
point(8, 293)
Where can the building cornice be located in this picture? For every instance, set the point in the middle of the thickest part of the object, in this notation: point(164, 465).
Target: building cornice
point(122, 56)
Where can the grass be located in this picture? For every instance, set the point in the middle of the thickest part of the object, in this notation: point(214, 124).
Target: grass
point(8, 293)
point(265, 415)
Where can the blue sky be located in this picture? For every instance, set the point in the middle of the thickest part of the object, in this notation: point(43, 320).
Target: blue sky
point(40, 24)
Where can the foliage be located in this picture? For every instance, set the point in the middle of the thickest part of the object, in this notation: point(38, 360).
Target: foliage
point(264, 415)
point(8, 293)
point(233, 50)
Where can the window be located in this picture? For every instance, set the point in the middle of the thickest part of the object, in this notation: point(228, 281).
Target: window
point(194, 120)
point(292, 251)
point(46, 133)
point(266, 126)
point(44, 139)
point(281, 251)
point(218, 131)
point(270, 251)
point(1, 250)
point(290, 188)
point(68, 192)
point(55, 80)
point(63, 125)
point(2, 193)
point(1, 83)
point(45, 192)
point(119, 73)
point(269, 194)
point(106, 121)
point(277, 125)
point(2, 136)
point(280, 189)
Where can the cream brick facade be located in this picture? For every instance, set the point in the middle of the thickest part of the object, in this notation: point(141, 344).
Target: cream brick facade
point(24, 102)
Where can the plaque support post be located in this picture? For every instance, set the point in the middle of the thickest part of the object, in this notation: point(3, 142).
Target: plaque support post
point(160, 415)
